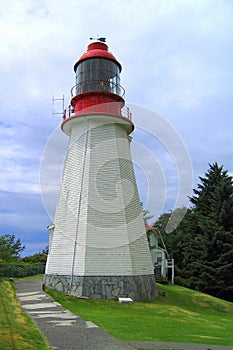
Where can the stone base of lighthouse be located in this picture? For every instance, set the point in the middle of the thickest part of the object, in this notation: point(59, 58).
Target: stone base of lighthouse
point(138, 288)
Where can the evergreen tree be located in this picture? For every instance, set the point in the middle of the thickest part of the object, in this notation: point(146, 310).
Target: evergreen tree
point(9, 248)
point(213, 212)
point(202, 245)
point(209, 264)
point(214, 197)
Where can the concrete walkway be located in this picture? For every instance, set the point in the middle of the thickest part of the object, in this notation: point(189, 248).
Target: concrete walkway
point(66, 331)
point(63, 330)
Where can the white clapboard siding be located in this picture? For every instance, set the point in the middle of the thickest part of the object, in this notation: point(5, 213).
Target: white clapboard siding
point(99, 228)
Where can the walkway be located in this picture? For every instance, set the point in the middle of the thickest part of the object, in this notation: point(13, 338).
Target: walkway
point(66, 331)
point(63, 330)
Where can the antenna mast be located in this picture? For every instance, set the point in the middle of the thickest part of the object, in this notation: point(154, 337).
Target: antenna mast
point(62, 99)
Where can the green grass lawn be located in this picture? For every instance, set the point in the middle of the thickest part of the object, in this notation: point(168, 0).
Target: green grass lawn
point(17, 330)
point(183, 315)
point(27, 278)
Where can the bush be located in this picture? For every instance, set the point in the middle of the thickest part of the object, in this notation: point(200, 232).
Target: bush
point(21, 270)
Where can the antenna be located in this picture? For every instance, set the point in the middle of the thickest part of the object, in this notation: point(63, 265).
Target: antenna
point(61, 105)
point(103, 40)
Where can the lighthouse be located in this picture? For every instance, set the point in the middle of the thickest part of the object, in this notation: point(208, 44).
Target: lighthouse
point(98, 247)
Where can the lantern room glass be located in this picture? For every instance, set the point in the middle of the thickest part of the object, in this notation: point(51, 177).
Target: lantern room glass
point(98, 74)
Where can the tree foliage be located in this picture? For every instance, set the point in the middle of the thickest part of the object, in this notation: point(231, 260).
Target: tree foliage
point(10, 248)
point(202, 245)
point(40, 257)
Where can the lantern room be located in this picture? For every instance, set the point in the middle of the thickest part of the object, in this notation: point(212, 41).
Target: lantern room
point(97, 87)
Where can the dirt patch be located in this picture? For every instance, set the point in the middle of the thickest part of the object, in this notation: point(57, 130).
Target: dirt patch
point(4, 332)
point(200, 303)
point(177, 310)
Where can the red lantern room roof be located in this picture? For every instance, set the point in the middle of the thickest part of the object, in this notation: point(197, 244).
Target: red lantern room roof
point(97, 50)
point(149, 227)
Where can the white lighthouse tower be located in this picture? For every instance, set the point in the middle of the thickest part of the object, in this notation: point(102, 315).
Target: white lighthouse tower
point(98, 245)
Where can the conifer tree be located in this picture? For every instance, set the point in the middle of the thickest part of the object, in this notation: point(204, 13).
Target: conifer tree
point(202, 245)
point(209, 264)
point(9, 248)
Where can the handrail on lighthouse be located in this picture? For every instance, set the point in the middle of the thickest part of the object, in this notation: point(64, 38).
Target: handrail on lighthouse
point(125, 112)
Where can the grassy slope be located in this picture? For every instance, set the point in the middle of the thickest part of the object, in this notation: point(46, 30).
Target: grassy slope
point(17, 330)
point(183, 315)
point(28, 277)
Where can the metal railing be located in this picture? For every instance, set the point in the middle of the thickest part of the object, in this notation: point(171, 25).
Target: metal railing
point(70, 112)
point(126, 113)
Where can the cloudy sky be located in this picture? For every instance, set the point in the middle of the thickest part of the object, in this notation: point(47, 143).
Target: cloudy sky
point(177, 65)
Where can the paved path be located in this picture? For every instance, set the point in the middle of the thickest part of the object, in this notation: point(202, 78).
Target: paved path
point(63, 330)
point(66, 331)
